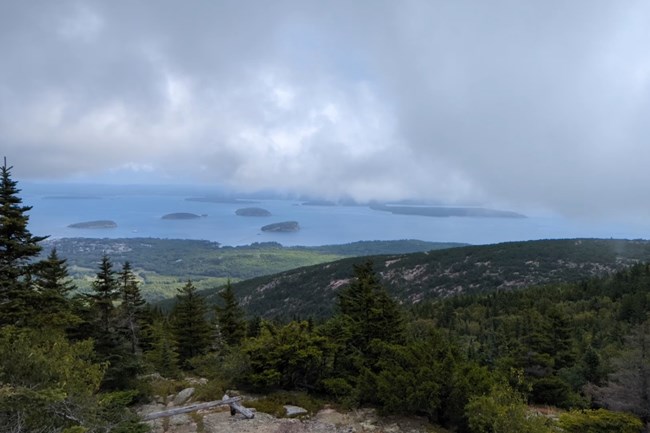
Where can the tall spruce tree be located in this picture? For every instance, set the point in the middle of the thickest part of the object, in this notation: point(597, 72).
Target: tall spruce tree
point(368, 319)
point(53, 286)
point(191, 328)
point(162, 355)
point(368, 310)
point(230, 317)
point(131, 308)
point(17, 248)
point(105, 293)
point(112, 344)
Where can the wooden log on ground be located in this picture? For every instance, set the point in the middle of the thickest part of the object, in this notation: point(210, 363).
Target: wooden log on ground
point(194, 407)
point(236, 407)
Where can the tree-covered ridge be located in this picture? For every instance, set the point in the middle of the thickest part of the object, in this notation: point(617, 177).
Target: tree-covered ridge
point(416, 277)
point(163, 264)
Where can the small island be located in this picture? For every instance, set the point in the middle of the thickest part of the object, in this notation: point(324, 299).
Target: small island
point(283, 227)
point(100, 224)
point(218, 199)
point(319, 203)
point(253, 212)
point(182, 216)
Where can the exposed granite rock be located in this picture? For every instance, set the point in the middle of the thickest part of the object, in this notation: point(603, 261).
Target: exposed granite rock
point(295, 410)
point(219, 420)
point(183, 396)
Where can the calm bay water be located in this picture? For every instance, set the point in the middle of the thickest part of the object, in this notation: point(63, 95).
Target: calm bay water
point(139, 215)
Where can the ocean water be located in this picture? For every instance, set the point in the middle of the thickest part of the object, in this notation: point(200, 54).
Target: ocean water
point(138, 214)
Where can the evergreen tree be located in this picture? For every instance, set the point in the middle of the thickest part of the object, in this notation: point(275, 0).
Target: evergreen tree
point(54, 286)
point(162, 356)
point(253, 327)
point(17, 248)
point(191, 329)
point(368, 310)
point(111, 342)
point(105, 293)
point(368, 320)
point(592, 366)
point(230, 317)
point(287, 356)
point(131, 308)
point(150, 316)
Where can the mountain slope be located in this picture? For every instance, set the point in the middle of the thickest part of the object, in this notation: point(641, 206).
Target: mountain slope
point(311, 291)
point(164, 265)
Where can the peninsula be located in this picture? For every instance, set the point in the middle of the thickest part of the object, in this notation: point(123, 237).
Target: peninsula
point(443, 211)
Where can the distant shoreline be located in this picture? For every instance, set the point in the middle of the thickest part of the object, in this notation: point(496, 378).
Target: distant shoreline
point(72, 197)
point(442, 211)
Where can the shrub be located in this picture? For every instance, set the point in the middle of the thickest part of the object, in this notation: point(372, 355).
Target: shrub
point(600, 421)
point(274, 403)
point(503, 410)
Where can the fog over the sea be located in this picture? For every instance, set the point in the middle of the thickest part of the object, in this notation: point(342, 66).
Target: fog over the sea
point(511, 104)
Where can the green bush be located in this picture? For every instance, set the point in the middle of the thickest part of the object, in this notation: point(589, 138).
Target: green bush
point(552, 390)
point(600, 421)
point(213, 390)
point(338, 387)
point(273, 404)
point(159, 386)
point(503, 410)
point(40, 373)
point(286, 357)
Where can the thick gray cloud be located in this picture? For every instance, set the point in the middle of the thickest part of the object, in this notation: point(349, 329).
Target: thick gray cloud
point(520, 104)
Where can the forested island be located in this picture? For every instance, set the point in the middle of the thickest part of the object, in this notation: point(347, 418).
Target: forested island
point(252, 212)
point(282, 227)
point(181, 216)
point(99, 224)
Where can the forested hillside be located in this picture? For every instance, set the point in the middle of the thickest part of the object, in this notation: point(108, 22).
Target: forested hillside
point(412, 278)
point(161, 264)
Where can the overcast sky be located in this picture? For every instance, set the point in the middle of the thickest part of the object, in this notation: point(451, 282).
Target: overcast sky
point(520, 104)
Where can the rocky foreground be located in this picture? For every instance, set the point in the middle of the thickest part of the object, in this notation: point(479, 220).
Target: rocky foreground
point(327, 420)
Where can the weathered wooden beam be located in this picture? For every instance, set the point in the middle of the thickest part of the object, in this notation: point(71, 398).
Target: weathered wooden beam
point(236, 407)
point(194, 407)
